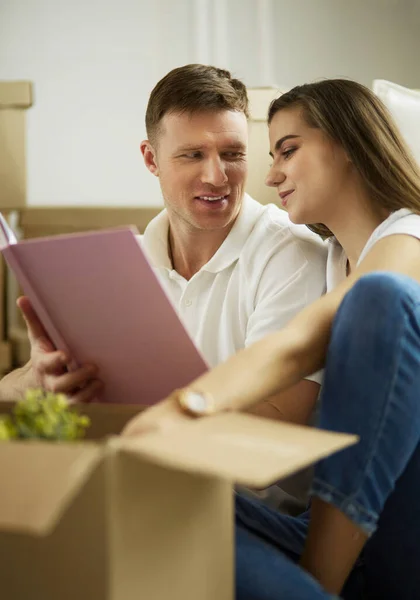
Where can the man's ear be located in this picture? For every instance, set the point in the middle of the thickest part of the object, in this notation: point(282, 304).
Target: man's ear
point(149, 157)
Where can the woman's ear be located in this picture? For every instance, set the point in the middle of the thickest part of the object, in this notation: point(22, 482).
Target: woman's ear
point(347, 157)
point(149, 157)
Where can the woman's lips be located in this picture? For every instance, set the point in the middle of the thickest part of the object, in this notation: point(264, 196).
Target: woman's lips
point(284, 196)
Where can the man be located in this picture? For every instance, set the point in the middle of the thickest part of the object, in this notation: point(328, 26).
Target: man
point(235, 270)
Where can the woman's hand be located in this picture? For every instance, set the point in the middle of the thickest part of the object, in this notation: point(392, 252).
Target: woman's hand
point(158, 418)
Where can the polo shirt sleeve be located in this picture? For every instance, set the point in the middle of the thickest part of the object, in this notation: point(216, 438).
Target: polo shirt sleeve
point(292, 277)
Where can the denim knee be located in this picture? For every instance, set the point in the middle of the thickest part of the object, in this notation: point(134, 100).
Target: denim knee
point(383, 287)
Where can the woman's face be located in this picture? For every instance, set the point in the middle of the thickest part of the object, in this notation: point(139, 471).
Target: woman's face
point(309, 170)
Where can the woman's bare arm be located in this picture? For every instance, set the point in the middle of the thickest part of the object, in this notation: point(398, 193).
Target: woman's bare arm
point(284, 358)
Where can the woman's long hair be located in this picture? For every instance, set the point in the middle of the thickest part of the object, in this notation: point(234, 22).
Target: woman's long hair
point(354, 117)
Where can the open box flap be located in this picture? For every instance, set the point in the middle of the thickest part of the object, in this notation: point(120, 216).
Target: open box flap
point(245, 449)
point(39, 480)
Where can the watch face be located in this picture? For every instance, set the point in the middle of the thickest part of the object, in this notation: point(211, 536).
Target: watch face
point(197, 403)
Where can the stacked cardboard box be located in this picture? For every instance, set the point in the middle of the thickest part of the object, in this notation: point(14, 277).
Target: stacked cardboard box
point(15, 98)
point(258, 152)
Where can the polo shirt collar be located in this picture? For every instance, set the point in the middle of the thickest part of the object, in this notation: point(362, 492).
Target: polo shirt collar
point(232, 247)
point(155, 238)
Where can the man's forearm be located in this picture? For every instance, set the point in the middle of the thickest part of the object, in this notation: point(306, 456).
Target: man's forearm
point(14, 384)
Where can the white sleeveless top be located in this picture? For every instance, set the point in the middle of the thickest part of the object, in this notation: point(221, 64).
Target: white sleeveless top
point(403, 221)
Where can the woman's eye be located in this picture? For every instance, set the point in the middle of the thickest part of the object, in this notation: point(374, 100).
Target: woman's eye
point(288, 153)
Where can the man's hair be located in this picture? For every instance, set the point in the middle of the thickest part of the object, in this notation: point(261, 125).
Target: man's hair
point(351, 115)
point(194, 88)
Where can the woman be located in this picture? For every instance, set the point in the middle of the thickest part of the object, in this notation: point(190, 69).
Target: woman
point(340, 166)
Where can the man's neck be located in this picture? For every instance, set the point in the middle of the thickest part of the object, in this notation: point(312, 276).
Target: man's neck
point(190, 250)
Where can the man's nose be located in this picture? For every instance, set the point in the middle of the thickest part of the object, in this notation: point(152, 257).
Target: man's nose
point(214, 172)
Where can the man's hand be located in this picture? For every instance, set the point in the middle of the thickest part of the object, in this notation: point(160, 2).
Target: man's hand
point(48, 367)
point(158, 418)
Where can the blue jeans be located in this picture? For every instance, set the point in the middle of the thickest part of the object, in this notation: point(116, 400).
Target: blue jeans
point(371, 388)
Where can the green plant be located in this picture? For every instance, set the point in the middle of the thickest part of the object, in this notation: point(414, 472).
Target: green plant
point(43, 415)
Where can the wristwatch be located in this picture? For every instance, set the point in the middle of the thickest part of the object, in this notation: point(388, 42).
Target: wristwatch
point(195, 403)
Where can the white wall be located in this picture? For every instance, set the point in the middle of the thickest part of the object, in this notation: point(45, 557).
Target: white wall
point(360, 39)
point(94, 62)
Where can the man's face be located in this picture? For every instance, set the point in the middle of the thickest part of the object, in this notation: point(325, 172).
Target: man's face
point(201, 162)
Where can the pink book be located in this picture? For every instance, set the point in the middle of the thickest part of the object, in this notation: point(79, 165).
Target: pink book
point(98, 298)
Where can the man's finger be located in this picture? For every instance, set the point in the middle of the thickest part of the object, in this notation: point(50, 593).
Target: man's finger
point(36, 332)
point(69, 383)
point(50, 363)
point(88, 393)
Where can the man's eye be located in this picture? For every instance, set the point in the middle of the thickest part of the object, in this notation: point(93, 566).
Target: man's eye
point(191, 155)
point(234, 155)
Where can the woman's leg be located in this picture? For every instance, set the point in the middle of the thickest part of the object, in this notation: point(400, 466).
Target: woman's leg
point(265, 573)
point(372, 388)
point(282, 531)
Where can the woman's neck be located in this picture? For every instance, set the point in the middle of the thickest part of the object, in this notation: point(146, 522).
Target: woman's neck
point(354, 226)
point(354, 238)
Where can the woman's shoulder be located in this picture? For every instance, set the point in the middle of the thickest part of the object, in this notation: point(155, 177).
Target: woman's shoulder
point(400, 221)
point(403, 221)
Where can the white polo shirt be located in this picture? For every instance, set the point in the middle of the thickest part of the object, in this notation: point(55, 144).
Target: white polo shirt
point(263, 274)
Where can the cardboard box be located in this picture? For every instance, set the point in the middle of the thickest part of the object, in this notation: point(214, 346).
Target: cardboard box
point(5, 357)
point(258, 153)
point(15, 98)
point(147, 518)
point(39, 221)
